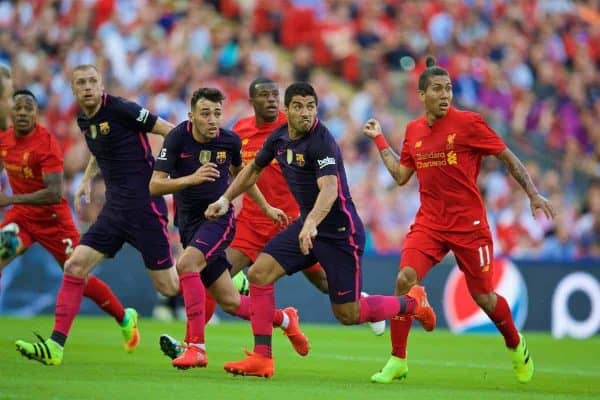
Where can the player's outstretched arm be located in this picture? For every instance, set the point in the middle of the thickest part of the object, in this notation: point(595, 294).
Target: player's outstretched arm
point(161, 183)
point(51, 194)
point(518, 171)
point(240, 184)
point(391, 160)
point(275, 214)
point(328, 193)
point(162, 127)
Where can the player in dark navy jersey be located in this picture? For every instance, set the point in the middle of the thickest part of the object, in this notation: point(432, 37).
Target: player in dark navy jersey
point(195, 163)
point(329, 230)
point(115, 131)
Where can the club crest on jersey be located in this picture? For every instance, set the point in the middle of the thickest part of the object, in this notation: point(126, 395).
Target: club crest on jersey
point(104, 128)
point(289, 157)
point(221, 157)
point(204, 156)
point(300, 160)
point(450, 140)
point(93, 131)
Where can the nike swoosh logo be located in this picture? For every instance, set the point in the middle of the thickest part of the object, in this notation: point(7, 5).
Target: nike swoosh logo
point(340, 293)
point(201, 242)
point(186, 155)
point(279, 152)
point(164, 260)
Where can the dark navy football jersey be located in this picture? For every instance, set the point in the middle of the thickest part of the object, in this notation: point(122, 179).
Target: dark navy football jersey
point(182, 155)
point(117, 136)
point(305, 160)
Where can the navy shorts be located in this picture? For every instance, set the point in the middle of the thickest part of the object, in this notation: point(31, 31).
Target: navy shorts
point(340, 257)
point(144, 228)
point(211, 238)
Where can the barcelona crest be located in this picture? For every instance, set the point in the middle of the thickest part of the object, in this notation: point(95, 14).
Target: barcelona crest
point(204, 156)
point(221, 157)
point(104, 128)
point(300, 160)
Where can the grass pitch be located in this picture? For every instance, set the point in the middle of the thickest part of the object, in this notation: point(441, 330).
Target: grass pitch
point(441, 366)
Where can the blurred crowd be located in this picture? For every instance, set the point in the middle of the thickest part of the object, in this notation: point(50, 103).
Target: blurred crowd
point(531, 67)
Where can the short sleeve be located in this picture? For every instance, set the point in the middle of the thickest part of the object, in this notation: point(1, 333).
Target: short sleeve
point(167, 157)
point(323, 153)
point(51, 160)
point(236, 154)
point(483, 138)
point(134, 116)
point(266, 153)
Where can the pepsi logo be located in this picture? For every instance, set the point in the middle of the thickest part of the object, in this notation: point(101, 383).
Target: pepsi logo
point(463, 315)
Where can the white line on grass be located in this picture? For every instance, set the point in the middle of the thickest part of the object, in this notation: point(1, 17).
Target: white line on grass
point(549, 370)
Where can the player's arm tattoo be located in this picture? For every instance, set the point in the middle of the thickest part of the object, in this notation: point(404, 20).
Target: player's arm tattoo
point(391, 160)
point(51, 194)
point(518, 171)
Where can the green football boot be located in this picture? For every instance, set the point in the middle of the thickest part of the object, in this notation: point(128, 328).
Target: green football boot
point(130, 331)
point(47, 351)
point(395, 368)
point(522, 361)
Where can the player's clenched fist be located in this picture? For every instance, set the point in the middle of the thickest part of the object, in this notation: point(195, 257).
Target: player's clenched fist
point(372, 128)
point(206, 173)
point(217, 209)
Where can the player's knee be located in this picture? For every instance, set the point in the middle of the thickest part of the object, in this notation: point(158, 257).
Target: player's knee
point(187, 264)
point(405, 280)
point(259, 275)
point(75, 267)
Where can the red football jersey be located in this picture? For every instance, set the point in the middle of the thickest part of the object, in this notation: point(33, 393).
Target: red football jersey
point(26, 159)
point(447, 157)
point(271, 182)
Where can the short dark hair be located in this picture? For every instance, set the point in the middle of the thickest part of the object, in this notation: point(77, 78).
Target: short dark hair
point(299, 89)
point(24, 92)
point(259, 81)
point(431, 71)
point(212, 94)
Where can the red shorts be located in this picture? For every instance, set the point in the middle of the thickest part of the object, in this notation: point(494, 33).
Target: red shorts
point(250, 238)
point(473, 251)
point(59, 237)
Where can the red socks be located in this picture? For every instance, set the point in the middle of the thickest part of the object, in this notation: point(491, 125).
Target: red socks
point(262, 311)
point(68, 302)
point(502, 317)
point(399, 328)
point(99, 292)
point(193, 297)
point(210, 305)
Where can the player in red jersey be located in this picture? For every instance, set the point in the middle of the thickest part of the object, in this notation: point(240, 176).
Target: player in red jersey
point(39, 213)
point(445, 147)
